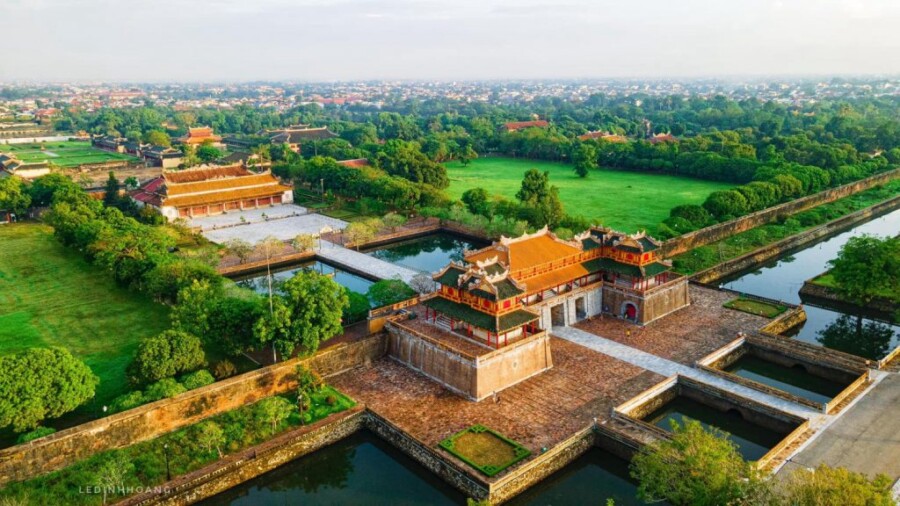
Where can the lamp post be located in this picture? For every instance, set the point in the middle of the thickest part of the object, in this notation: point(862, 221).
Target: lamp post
point(168, 470)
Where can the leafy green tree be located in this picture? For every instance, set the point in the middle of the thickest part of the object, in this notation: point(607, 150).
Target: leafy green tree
point(230, 321)
point(695, 467)
point(131, 183)
point(726, 203)
point(207, 153)
point(867, 267)
point(308, 381)
point(210, 436)
point(43, 188)
point(585, 158)
point(314, 304)
point(158, 138)
point(357, 307)
point(111, 191)
point(359, 233)
point(112, 473)
point(304, 242)
point(389, 291)
point(394, 220)
point(540, 199)
point(165, 355)
point(165, 280)
point(239, 248)
point(477, 201)
point(273, 410)
point(13, 195)
point(825, 485)
point(466, 154)
point(41, 383)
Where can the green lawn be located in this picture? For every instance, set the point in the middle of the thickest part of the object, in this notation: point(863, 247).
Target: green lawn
point(63, 153)
point(627, 201)
point(50, 296)
point(756, 307)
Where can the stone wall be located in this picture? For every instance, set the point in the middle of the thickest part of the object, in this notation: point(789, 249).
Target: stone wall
point(456, 475)
point(776, 249)
point(248, 464)
point(472, 377)
point(752, 411)
point(720, 231)
point(151, 420)
point(651, 304)
point(530, 473)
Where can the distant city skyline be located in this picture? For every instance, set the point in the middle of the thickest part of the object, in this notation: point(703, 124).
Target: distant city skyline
point(339, 40)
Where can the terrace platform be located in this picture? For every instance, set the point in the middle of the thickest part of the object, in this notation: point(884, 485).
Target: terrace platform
point(284, 228)
point(685, 336)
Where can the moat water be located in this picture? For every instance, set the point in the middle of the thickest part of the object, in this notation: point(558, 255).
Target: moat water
point(788, 379)
point(782, 279)
point(753, 441)
point(258, 283)
point(429, 253)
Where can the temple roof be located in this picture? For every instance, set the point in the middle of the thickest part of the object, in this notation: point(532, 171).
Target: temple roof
point(208, 185)
point(295, 136)
point(481, 320)
point(526, 251)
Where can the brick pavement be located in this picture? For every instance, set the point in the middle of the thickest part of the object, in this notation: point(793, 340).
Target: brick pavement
point(686, 335)
point(538, 412)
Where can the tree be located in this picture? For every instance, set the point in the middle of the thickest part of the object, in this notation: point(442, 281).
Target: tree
point(208, 153)
point(158, 138)
point(695, 467)
point(726, 203)
point(13, 196)
point(866, 267)
point(585, 158)
point(230, 322)
point(389, 291)
point(112, 473)
point(359, 233)
point(540, 199)
point(394, 220)
point(835, 486)
point(45, 187)
point(165, 280)
point(313, 305)
point(239, 248)
point(273, 410)
point(165, 355)
point(210, 436)
point(41, 383)
point(466, 155)
point(477, 201)
point(304, 242)
point(357, 307)
point(111, 191)
point(131, 183)
point(422, 283)
point(269, 247)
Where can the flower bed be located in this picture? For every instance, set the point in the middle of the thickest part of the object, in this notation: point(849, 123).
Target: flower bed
point(484, 449)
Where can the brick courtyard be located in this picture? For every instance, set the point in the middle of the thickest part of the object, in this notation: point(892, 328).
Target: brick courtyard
point(539, 412)
point(686, 335)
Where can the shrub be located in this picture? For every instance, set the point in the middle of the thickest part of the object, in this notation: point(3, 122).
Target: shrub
point(197, 379)
point(164, 388)
point(224, 369)
point(127, 401)
point(36, 434)
point(163, 356)
point(308, 381)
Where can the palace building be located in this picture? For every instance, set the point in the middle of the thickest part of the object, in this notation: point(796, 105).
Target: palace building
point(10, 165)
point(211, 190)
point(296, 136)
point(201, 135)
point(504, 297)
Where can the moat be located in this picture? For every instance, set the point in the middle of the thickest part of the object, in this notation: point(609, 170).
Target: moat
point(428, 253)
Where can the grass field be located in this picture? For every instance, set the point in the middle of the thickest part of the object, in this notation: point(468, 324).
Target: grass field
point(63, 153)
point(756, 307)
point(50, 296)
point(627, 201)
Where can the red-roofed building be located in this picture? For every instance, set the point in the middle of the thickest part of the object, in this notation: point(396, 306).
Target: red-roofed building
point(514, 126)
point(201, 135)
point(211, 190)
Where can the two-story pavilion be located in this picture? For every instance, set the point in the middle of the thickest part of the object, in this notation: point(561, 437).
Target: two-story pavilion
point(519, 285)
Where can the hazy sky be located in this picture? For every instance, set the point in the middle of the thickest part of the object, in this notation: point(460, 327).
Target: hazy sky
point(246, 40)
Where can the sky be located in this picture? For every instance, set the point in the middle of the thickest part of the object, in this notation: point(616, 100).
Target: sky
point(331, 40)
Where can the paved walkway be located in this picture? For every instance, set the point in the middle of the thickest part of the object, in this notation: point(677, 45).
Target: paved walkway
point(667, 368)
point(285, 228)
point(354, 260)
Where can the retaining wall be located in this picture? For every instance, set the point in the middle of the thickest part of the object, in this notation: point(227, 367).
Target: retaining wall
point(755, 258)
point(248, 464)
point(720, 231)
point(151, 420)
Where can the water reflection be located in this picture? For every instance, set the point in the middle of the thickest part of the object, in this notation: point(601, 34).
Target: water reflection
point(858, 336)
point(428, 253)
point(258, 283)
point(782, 280)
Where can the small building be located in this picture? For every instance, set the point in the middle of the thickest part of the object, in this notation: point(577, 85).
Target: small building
point(601, 135)
point(201, 135)
point(161, 156)
point(12, 166)
point(504, 297)
point(109, 143)
point(211, 190)
point(294, 137)
point(515, 126)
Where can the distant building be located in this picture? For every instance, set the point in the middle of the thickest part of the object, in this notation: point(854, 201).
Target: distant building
point(161, 156)
point(109, 143)
point(201, 135)
point(514, 126)
point(667, 137)
point(606, 136)
point(12, 166)
point(211, 190)
point(295, 136)
point(251, 161)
